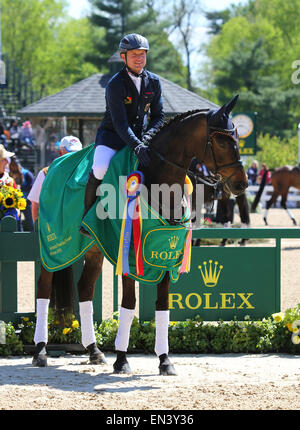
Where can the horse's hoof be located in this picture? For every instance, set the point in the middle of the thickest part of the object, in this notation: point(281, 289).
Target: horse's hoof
point(294, 221)
point(165, 367)
point(39, 361)
point(122, 367)
point(39, 356)
point(265, 220)
point(84, 232)
point(242, 242)
point(96, 356)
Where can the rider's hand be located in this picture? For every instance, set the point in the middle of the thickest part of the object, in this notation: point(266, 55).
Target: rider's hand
point(146, 138)
point(142, 153)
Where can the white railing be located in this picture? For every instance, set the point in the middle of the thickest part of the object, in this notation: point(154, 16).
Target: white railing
point(293, 196)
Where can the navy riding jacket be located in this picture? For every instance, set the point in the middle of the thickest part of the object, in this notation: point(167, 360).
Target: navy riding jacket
point(126, 117)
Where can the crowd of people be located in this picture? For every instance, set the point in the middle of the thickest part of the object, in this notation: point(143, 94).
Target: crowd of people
point(15, 135)
point(255, 175)
point(16, 176)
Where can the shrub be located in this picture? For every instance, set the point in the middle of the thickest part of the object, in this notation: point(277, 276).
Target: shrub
point(278, 333)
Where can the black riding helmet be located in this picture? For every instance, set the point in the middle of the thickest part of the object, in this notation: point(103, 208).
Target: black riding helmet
point(133, 41)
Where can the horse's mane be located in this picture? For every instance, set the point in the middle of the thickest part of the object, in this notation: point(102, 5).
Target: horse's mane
point(171, 124)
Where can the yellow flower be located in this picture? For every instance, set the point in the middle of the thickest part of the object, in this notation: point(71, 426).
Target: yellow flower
point(1, 197)
point(67, 330)
point(296, 340)
point(75, 324)
point(25, 319)
point(278, 317)
point(9, 201)
point(22, 204)
point(289, 326)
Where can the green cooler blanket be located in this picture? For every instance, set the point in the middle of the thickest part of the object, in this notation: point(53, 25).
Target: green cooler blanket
point(61, 207)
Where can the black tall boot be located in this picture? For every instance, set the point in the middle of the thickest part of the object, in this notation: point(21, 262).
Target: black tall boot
point(89, 198)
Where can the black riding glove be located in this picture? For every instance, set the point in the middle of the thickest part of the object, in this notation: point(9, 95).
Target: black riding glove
point(142, 153)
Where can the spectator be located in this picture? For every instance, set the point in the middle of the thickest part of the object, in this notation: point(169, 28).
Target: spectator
point(14, 133)
point(26, 135)
point(264, 171)
point(6, 180)
point(24, 178)
point(2, 135)
point(252, 173)
point(67, 144)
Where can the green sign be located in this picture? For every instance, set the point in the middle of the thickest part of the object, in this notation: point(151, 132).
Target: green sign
point(246, 126)
point(223, 283)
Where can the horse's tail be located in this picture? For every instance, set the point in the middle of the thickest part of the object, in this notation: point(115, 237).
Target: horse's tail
point(62, 296)
point(259, 192)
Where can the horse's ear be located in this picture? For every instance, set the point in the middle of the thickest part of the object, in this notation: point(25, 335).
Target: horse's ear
point(216, 116)
point(230, 105)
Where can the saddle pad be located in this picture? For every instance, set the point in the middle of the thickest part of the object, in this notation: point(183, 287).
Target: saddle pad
point(61, 207)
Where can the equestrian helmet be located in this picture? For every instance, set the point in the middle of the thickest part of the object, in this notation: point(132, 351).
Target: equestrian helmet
point(133, 41)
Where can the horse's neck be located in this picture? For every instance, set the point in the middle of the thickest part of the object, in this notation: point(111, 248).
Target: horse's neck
point(178, 152)
point(178, 149)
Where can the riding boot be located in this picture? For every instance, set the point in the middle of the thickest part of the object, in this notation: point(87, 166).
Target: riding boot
point(89, 198)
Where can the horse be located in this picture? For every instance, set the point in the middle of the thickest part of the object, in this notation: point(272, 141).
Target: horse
point(225, 212)
point(208, 135)
point(282, 179)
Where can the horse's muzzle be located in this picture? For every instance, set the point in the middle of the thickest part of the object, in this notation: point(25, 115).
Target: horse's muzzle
point(238, 187)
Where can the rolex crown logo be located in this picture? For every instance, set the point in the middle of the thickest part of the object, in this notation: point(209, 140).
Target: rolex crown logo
point(173, 241)
point(210, 275)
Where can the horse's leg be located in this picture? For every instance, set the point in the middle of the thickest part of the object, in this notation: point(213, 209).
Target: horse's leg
point(269, 204)
point(86, 287)
point(44, 287)
point(284, 206)
point(244, 214)
point(162, 317)
point(126, 316)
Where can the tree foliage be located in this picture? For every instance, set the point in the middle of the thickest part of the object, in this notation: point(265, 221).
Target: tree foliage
point(276, 152)
point(252, 52)
point(44, 43)
point(119, 17)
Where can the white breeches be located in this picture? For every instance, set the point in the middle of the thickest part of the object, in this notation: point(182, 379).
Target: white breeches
point(102, 156)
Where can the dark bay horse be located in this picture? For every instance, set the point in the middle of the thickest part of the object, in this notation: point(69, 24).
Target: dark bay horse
point(210, 137)
point(282, 179)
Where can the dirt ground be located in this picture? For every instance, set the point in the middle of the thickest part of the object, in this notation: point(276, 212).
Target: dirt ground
point(214, 382)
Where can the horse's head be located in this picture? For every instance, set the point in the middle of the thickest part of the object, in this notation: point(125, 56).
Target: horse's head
point(221, 153)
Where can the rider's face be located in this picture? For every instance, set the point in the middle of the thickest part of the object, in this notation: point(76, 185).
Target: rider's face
point(136, 59)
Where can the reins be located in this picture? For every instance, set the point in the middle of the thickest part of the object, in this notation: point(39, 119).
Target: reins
point(217, 181)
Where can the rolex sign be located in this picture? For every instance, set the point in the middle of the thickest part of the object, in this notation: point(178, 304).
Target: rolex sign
point(223, 283)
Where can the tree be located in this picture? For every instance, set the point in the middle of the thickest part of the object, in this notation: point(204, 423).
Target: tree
point(252, 55)
point(27, 35)
point(183, 13)
point(119, 17)
point(47, 46)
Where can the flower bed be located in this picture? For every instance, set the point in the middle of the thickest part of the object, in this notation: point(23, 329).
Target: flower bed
point(278, 333)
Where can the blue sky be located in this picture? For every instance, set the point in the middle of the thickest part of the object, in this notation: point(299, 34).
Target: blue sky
point(78, 7)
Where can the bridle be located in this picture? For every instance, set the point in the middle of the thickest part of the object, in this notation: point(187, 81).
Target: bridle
point(217, 181)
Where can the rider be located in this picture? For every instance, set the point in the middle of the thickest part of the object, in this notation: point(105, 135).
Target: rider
point(130, 95)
